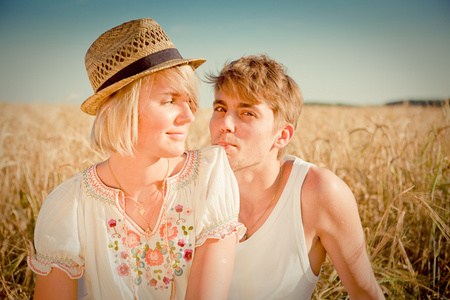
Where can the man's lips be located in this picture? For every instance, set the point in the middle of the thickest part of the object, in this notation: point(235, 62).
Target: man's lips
point(226, 145)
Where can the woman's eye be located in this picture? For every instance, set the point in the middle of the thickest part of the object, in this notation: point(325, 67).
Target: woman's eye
point(169, 101)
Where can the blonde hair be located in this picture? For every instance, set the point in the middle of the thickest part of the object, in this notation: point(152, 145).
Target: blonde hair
point(115, 127)
point(260, 79)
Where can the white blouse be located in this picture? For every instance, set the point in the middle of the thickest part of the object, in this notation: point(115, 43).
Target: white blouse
point(82, 230)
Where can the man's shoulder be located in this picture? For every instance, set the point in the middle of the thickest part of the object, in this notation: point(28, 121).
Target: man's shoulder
point(325, 199)
point(324, 188)
point(321, 179)
point(317, 181)
point(321, 187)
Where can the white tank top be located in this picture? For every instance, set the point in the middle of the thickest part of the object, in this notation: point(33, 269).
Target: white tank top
point(273, 263)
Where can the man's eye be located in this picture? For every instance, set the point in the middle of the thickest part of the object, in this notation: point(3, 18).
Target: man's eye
point(219, 109)
point(249, 113)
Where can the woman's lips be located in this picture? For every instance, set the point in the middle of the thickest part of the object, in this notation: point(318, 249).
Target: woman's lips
point(177, 135)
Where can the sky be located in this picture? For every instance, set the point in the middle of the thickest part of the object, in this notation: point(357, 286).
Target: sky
point(339, 52)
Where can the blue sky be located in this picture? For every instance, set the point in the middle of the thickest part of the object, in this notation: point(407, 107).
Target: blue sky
point(342, 51)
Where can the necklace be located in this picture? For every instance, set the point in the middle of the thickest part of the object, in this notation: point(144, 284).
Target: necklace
point(142, 211)
point(148, 233)
point(246, 234)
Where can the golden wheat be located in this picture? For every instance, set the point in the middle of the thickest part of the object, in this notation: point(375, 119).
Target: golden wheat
point(395, 159)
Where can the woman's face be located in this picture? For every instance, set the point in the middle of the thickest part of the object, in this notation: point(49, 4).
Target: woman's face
point(164, 119)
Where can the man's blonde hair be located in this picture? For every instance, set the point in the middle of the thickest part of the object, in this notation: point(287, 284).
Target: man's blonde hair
point(260, 79)
point(115, 128)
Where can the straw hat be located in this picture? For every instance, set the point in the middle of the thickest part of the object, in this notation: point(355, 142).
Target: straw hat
point(125, 53)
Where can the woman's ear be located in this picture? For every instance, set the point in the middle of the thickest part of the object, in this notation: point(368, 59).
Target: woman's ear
point(285, 135)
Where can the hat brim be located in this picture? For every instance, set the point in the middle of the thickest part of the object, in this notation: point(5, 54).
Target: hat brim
point(91, 104)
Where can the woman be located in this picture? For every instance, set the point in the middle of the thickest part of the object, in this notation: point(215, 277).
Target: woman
point(153, 221)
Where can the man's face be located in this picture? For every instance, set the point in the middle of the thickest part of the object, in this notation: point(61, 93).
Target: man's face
point(246, 131)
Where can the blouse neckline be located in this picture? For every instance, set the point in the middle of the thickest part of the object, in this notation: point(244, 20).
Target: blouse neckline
point(101, 191)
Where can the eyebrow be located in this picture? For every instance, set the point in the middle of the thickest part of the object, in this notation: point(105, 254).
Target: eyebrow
point(219, 102)
point(245, 105)
point(171, 92)
point(240, 105)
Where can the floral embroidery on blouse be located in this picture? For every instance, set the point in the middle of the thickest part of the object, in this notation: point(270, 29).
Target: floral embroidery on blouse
point(152, 262)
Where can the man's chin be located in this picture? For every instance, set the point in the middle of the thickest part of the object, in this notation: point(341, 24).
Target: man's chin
point(231, 160)
point(237, 168)
point(231, 153)
point(235, 165)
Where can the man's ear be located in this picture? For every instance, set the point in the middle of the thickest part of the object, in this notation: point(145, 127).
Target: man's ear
point(284, 136)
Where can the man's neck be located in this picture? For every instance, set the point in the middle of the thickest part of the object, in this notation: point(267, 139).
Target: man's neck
point(256, 181)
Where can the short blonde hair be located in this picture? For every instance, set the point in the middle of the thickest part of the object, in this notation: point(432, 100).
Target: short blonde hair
point(260, 79)
point(115, 127)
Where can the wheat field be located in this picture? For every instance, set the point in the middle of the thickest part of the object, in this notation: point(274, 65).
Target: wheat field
point(395, 160)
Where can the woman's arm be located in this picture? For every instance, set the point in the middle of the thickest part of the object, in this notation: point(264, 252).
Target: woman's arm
point(212, 268)
point(56, 285)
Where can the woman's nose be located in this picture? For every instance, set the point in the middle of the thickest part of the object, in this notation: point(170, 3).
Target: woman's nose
point(186, 114)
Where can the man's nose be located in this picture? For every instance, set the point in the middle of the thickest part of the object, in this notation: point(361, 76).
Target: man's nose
point(228, 123)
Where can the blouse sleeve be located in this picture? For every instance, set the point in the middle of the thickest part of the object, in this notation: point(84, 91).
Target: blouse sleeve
point(217, 214)
point(56, 236)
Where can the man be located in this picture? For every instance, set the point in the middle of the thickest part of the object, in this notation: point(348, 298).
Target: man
point(295, 213)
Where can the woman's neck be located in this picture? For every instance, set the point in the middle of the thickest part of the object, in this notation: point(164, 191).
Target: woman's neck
point(135, 176)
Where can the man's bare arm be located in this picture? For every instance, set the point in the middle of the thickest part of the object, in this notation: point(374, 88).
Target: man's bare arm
point(339, 229)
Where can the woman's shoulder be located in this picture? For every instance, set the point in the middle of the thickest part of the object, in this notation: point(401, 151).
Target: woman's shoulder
point(200, 159)
point(210, 154)
point(68, 185)
point(60, 203)
point(68, 189)
point(203, 162)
